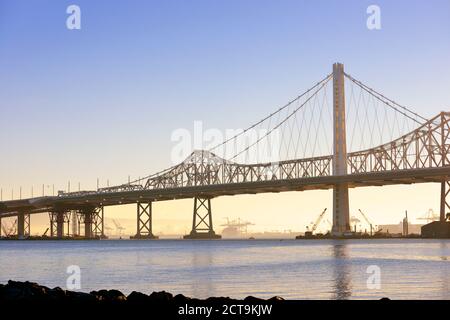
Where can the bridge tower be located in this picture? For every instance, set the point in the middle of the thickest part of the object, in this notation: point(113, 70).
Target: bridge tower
point(144, 221)
point(202, 224)
point(341, 216)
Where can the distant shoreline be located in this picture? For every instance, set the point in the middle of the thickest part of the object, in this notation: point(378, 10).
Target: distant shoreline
point(38, 238)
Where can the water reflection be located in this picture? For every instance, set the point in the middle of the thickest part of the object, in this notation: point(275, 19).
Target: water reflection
point(443, 251)
point(341, 271)
point(444, 274)
point(202, 284)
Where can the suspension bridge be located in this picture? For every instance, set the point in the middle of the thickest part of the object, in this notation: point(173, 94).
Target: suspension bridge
point(338, 134)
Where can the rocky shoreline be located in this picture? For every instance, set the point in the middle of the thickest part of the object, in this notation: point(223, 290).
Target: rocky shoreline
point(16, 291)
point(31, 299)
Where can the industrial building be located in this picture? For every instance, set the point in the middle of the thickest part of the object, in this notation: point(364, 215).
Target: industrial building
point(399, 228)
point(436, 229)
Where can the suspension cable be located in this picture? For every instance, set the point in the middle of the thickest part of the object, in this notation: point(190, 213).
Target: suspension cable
point(273, 113)
point(389, 102)
point(324, 82)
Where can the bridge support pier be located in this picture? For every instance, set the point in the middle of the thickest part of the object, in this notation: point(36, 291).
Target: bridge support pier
point(445, 200)
point(23, 225)
point(93, 222)
point(202, 225)
point(57, 220)
point(341, 215)
point(53, 224)
point(98, 224)
point(144, 221)
point(87, 219)
point(80, 221)
point(60, 225)
point(27, 225)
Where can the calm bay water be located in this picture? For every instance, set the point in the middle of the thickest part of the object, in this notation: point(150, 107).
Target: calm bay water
point(321, 269)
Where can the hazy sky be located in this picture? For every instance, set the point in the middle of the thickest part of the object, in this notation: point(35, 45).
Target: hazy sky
point(102, 102)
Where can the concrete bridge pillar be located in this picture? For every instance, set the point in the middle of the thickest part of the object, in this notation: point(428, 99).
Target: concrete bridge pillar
point(93, 222)
point(144, 221)
point(88, 222)
point(202, 225)
point(57, 220)
point(341, 216)
point(60, 224)
point(21, 225)
point(52, 218)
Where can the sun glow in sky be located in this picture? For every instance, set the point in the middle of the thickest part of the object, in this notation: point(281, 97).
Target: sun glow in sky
point(102, 102)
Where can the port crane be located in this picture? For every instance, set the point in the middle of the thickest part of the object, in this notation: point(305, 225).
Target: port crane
point(316, 223)
point(118, 226)
point(45, 232)
point(429, 216)
point(108, 229)
point(238, 224)
point(367, 220)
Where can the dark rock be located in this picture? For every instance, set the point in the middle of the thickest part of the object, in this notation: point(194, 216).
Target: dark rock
point(218, 300)
point(253, 299)
point(99, 295)
point(137, 297)
point(56, 293)
point(116, 295)
point(276, 298)
point(30, 291)
point(179, 299)
point(9, 293)
point(161, 296)
point(80, 297)
point(16, 290)
point(109, 295)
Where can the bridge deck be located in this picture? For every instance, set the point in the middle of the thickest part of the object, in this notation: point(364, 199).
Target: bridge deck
point(44, 204)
